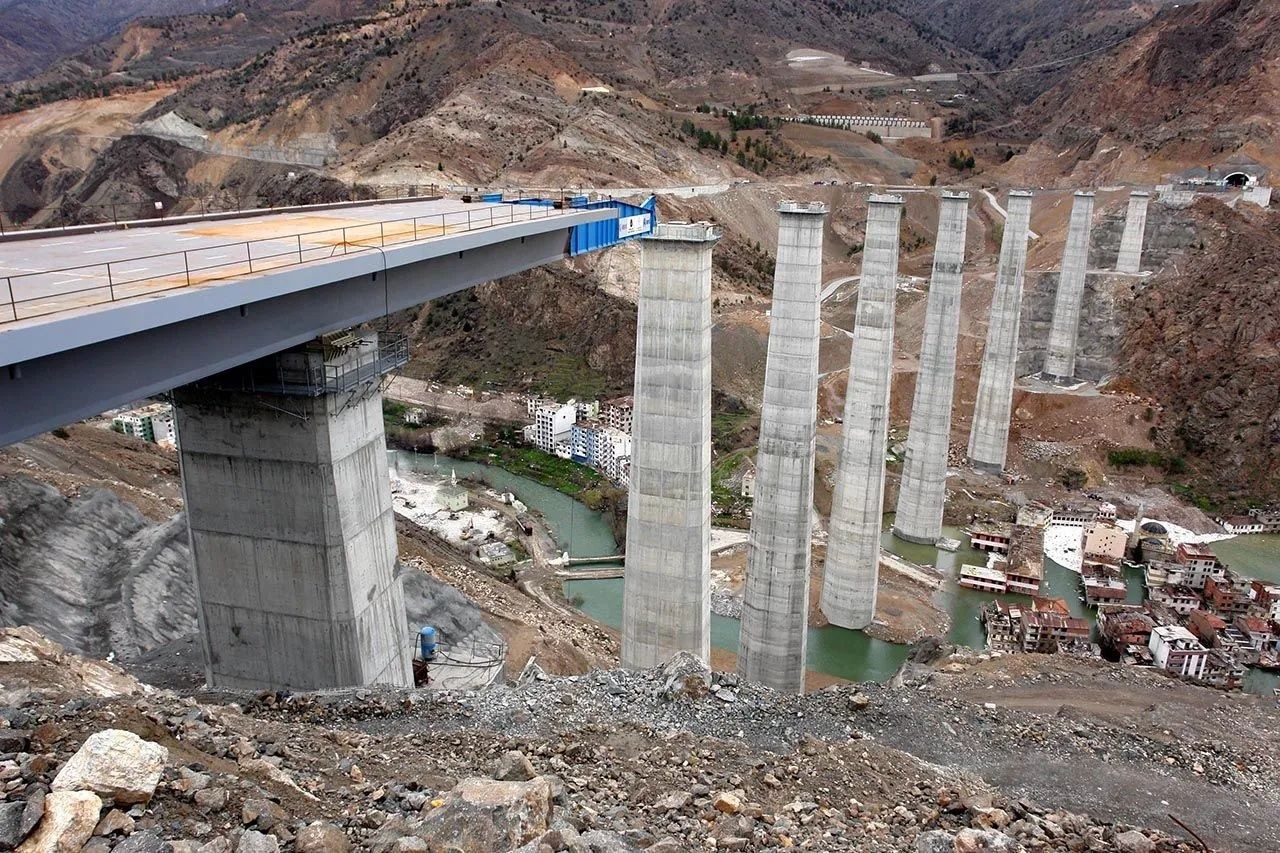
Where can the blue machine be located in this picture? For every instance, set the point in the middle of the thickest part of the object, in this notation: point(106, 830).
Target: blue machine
point(491, 197)
point(427, 642)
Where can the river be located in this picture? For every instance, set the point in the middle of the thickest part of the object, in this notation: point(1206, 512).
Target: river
point(835, 651)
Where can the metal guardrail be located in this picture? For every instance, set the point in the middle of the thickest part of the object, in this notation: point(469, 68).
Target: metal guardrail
point(181, 269)
point(69, 215)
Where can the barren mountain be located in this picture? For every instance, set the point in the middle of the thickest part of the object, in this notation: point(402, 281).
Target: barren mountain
point(1036, 35)
point(36, 33)
point(1197, 85)
point(1203, 339)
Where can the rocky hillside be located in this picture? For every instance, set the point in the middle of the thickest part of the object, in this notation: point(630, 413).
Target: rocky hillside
point(671, 759)
point(1013, 34)
point(36, 33)
point(1203, 339)
point(1198, 84)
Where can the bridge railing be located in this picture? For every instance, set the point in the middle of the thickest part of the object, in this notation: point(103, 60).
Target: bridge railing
point(37, 294)
point(68, 214)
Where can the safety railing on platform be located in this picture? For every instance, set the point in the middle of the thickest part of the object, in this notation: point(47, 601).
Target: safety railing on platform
point(111, 281)
point(66, 214)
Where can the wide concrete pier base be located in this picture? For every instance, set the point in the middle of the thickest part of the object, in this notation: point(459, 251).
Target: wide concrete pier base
point(1060, 359)
point(853, 547)
point(989, 433)
point(924, 470)
point(775, 607)
point(1129, 260)
point(292, 532)
point(666, 600)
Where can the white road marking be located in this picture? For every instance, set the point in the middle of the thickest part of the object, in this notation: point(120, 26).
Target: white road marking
point(108, 249)
point(135, 269)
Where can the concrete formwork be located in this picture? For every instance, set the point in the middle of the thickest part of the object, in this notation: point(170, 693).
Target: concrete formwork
point(1129, 260)
point(1060, 357)
point(293, 539)
point(924, 471)
point(853, 546)
point(775, 608)
point(666, 602)
point(989, 434)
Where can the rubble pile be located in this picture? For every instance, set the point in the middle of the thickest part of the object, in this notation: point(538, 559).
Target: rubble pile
point(672, 759)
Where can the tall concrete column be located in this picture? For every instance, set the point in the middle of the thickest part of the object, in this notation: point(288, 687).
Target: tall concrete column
point(1135, 227)
point(924, 471)
point(989, 433)
point(775, 607)
point(666, 600)
point(853, 545)
point(1060, 359)
point(284, 470)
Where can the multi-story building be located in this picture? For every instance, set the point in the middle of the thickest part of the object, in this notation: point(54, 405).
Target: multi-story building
point(1074, 515)
point(1104, 542)
point(991, 536)
point(153, 423)
point(1199, 564)
point(588, 410)
point(1266, 598)
point(1045, 626)
point(1228, 595)
point(1241, 524)
point(1025, 569)
point(1034, 515)
point(983, 578)
point(613, 446)
point(1176, 650)
point(1257, 634)
point(553, 425)
point(616, 413)
point(1206, 626)
point(1180, 599)
point(1268, 518)
point(1125, 630)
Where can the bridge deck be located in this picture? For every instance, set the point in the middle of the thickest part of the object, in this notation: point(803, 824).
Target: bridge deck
point(68, 272)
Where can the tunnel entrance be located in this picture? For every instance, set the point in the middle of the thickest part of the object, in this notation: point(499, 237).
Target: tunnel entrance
point(1237, 179)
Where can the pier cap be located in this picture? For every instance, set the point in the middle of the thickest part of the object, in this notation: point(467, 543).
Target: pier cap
point(684, 232)
point(884, 198)
point(809, 207)
point(957, 195)
point(1021, 193)
point(1084, 193)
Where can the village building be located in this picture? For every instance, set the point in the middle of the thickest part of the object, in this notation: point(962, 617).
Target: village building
point(991, 536)
point(1228, 596)
point(1043, 626)
point(1034, 515)
point(1074, 514)
point(1124, 632)
point(1025, 569)
point(1199, 564)
point(1176, 650)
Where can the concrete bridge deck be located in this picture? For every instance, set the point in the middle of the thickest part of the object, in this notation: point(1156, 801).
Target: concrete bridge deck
point(90, 321)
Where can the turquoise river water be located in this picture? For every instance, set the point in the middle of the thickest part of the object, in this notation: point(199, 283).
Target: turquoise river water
point(835, 651)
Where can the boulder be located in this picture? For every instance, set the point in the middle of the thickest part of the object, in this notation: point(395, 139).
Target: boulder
point(114, 822)
point(143, 842)
point(1134, 842)
point(68, 822)
point(322, 837)
point(117, 765)
point(258, 842)
point(685, 676)
point(486, 814)
point(11, 833)
point(727, 802)
point(514, 766)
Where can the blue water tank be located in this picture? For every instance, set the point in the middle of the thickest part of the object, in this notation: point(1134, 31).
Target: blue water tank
point(427, 642)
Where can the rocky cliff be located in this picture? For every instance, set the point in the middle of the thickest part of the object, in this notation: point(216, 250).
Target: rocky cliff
point(1203, 339)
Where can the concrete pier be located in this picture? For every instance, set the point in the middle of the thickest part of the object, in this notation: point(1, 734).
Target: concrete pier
point(1060, 359)
point(775, 608)
point(853, 546)
point(1135, 227)
point(924, 470)
point(989, 434)
point(666, 601)
point(284, 470)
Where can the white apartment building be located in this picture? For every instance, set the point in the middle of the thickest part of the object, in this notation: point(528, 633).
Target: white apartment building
point(152, 423)
point(553, 425)
point(1176, 650)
